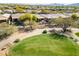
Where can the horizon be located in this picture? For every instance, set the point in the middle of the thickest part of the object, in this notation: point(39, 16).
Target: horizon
point(39, 4)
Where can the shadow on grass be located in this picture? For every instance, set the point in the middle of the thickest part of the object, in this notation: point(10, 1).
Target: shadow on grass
point(57, 36)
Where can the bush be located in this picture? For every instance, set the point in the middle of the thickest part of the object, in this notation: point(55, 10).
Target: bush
point(71, 37)
point(69, 30)
point(75, 40)
point(17, 40)
point(44, 32)
point(6, 30)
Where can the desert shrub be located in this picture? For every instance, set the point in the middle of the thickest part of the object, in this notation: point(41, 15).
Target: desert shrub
point(5, 30)
point(44, 32)
point(69, 30)
point(75, 40)
point(71, 37)
point(60, 32)
point(17, 40)
point(52, 31)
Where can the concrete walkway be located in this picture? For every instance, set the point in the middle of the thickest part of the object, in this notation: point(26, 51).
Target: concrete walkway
point(74, 36)
point(21, 36)
point(9, 41)
point(6, 43)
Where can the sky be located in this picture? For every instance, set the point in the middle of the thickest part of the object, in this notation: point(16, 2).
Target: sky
point(40, 1)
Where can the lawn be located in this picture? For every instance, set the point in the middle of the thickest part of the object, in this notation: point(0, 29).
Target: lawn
point(77, 34)
point(45, 45)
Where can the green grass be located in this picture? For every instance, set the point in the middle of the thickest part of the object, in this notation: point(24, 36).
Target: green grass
point(77, 34)
point(45, 45)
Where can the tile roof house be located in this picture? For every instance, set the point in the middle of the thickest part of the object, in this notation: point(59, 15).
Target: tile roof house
point(4, 16)
point(50, 16)
point(8, 11)
point(16, 16)
point(0, 11)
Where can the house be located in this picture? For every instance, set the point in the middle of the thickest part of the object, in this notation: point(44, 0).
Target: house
point(12, 18)
point(28, 11)
point(0, 11)
point(5, 18)
point(9, 17)
point(44, 18)
point(16, 16)
point(49, 16)
point(8, 11)
point(2, 18)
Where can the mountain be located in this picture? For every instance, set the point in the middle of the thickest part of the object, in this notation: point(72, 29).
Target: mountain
point(52, 4)
point(74, 4)
point(59, 4)
point(55, 4)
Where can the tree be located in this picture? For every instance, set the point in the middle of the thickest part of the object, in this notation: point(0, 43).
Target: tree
point(34, 11)
point(45, 11)
point(64, 23)
point(28, 17)
point(74, 10)
point(6, 30)
point(74, 17)
point(19, 9)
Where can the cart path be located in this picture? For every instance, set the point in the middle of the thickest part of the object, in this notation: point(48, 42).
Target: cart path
point(20, 36)
point(23, 35)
